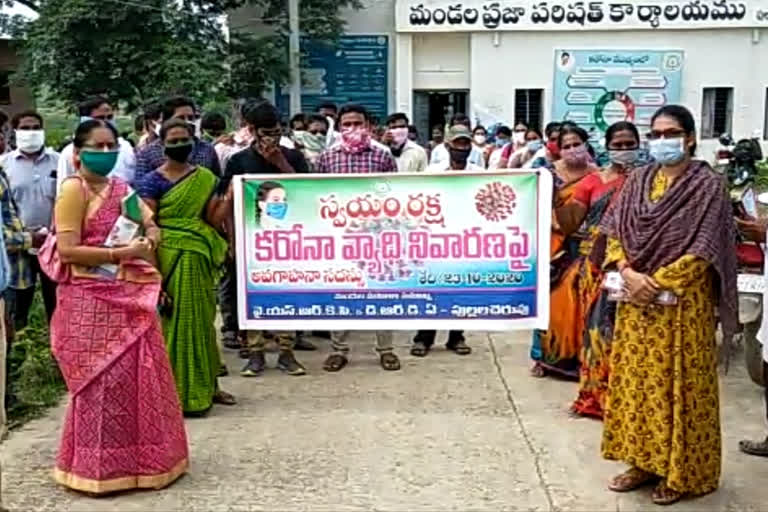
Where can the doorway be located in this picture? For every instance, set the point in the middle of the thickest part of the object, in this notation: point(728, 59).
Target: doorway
point(435, 108)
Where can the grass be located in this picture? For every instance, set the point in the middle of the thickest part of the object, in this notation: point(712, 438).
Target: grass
point(34, 381)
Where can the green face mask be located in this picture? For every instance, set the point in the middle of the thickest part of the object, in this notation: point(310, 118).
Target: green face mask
point(99, 162)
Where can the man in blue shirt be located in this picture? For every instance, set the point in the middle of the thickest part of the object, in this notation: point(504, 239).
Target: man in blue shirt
point(152, 156)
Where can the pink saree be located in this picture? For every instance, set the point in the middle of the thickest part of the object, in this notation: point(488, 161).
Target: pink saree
point(124, 427)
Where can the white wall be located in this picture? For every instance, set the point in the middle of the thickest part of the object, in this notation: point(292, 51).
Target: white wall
point(713, 58)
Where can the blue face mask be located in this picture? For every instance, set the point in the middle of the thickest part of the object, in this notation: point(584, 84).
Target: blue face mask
point(534, 145)
point(501, 142)
point(277, 210)
point(667, 151)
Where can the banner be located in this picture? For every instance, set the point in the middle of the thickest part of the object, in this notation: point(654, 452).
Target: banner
point(596, 88)
point(393, 251)
point(492, 15)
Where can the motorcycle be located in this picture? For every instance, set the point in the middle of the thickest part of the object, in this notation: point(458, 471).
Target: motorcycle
point(740, 171)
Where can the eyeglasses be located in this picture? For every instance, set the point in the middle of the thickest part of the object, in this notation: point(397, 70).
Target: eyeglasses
point(673, 133)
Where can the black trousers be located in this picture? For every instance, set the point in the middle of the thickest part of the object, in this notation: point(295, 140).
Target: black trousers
point(428, 338)
point(19, 302)
point(228, 300)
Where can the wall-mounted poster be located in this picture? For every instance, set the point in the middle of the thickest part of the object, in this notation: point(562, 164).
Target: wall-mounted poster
point(596, 88)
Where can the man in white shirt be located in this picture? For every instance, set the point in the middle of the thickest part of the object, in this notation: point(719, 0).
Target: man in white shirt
point(459, 149)
point(756, 231)
point(98, 107)
point(410, 157)
point(440, 152)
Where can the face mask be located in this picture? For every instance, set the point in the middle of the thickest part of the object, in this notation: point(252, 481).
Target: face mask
point(459, 156)
point(314, 142)
point(179, 152)
point(667, 151)
point(196, 127)
point(355, 140)
point(518, 138)
point(99, 162)
point(577, 156)
point(399, 135)
point(553, 149)
point(623, 157)
point(277, 210)
point(156, 129)
point(480, 140)
point(500, 143)
point(297, 134)
point(30, 141)
point(534, 145)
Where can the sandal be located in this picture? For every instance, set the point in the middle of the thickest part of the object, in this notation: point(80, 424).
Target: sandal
point(630, 480)
point(538, 371)
point(223, 398)
point(389, 361)
point(419, 349)
point(460, 347)
point(335, 363)
point(663, 495)
point(759, 448)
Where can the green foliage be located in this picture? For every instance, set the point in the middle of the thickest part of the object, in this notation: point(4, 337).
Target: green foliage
point(35, 383)
point(139, 51)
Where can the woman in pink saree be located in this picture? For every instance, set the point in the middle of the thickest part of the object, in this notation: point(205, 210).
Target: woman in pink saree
point(124, 427)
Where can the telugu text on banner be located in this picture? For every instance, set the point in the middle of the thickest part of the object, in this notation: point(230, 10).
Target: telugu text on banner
point(394, 251)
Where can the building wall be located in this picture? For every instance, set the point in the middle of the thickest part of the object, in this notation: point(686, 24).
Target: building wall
point(713, 58)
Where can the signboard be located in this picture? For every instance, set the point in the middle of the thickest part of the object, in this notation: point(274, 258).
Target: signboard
point(393, 251)
point(479, 15)
point(356, 70)
point(596, 88)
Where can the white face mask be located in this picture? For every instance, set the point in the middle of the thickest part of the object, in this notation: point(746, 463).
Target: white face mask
point(30, 141)
point(519, 138)
point(480, 140)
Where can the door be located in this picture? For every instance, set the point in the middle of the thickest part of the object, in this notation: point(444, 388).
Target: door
point(435, 108)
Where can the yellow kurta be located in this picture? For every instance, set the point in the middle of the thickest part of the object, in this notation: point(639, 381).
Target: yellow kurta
point(662, 410)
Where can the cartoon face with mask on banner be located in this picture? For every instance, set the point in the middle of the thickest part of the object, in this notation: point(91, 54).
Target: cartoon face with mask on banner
point(271, 205)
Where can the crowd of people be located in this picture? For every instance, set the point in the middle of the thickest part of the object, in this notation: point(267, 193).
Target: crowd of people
point(132, 326)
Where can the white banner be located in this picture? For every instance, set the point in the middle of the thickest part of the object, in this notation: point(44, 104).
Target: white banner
point(477, 15)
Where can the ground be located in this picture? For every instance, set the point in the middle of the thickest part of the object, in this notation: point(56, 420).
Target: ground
point(445, 433)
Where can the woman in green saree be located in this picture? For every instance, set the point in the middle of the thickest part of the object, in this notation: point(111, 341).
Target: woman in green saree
point(189, 255)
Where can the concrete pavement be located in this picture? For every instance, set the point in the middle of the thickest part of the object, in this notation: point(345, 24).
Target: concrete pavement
point(445, 433)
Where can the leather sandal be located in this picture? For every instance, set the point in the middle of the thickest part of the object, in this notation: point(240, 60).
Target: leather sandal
point(335, 363)
point(389, 361)
point(663, 495)
point(630, 480)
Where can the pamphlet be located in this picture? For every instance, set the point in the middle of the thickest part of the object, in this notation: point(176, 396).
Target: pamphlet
point(614, 284)
point(127, 227)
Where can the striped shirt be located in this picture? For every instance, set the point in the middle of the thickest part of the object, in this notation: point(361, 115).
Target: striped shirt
point(368, 161)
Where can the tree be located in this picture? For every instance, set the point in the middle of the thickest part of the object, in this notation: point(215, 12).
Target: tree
point(138, 50)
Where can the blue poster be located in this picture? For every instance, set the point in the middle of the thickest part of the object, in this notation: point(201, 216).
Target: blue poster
point(355, 70)
point(596, 88)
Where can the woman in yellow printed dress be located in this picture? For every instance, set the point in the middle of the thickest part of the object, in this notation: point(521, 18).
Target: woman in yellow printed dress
point(671, 230)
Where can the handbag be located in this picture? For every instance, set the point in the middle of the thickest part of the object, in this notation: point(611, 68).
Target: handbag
point(48, 255)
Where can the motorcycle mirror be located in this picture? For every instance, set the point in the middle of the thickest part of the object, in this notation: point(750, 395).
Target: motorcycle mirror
point(763, 198)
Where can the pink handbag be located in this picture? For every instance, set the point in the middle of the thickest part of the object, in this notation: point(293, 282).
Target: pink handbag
point(48, 254)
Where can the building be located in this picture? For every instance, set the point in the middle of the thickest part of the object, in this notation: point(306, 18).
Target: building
point(13, 98)
point(593, 62)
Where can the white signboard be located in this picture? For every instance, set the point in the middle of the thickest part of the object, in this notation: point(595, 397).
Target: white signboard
point(478, 15)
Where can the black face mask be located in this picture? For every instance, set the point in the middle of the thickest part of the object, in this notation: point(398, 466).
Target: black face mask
point(459, 156)
point(179, 153)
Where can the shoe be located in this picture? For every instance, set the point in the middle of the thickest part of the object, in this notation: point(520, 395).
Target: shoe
point(288, 364)
point(304, 344)
point(255, 366)
point(326, 335)
point(230, 341)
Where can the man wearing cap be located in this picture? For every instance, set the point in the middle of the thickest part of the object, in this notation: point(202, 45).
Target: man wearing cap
point(459, 147)
point(459, 144)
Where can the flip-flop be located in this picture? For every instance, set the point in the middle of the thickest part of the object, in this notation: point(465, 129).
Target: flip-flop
point(390, 361)
point(460, 348)
point(758, 448)
point(631, 480)
point(419, 349)
point(335, 363)
point(224, 398)
point(663, 495)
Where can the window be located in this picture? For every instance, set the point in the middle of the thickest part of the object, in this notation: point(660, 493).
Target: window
point(528, 107)
point(716, 112)
point(5, 87)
